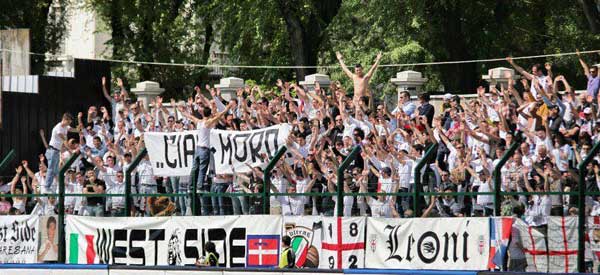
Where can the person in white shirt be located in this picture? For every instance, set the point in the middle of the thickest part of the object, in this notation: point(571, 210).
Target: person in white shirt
point(484, 204)
point(202, 156)
point(381, 206)
point(57, 140)
point(116, 204)
point(295, 205)
point(539, 206)
point(536, 73)
point(147, 182)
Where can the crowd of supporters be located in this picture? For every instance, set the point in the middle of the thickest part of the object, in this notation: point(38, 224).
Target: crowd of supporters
point(558, 128)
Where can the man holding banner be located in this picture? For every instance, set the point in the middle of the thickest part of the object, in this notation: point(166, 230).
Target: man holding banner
point(202, 155)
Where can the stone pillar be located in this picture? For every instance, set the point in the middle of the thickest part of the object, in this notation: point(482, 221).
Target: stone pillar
point(229, 86)
point(311, 79)
point(410, 81)
point(499, 75)
point(146, 91)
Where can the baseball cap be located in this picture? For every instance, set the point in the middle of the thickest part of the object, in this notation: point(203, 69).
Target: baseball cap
point(448, 96)
point(587, 110)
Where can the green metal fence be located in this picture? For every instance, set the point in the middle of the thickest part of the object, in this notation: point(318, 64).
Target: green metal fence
point(417, 193)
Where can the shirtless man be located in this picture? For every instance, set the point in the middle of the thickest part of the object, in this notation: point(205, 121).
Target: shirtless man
point(361, 81)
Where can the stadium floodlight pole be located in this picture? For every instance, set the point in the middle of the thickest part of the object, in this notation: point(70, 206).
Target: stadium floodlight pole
point(581, 206)
point(134, 164)
point(497, 170)
point(340, 179)
point(429, 155)
point(61, 206)
point(267, 178)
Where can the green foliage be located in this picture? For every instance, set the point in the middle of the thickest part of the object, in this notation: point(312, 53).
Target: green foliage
point(308, 32)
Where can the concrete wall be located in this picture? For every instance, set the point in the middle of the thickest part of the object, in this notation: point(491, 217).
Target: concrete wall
point(17, 40)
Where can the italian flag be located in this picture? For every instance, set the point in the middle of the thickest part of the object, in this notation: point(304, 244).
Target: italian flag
point(76, 241)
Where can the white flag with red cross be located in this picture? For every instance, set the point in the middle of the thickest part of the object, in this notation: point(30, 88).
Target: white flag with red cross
point(343, 244)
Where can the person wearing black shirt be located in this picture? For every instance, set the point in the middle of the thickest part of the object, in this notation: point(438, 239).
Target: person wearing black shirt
point(95, 205)
point(426, 109)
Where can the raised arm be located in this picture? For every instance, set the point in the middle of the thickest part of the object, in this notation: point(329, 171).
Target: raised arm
point(124, 93)
point(343, 65)
point(105, 90)
point(586, 69)
point(519, 68)
point(13, 182)
point(373, 68)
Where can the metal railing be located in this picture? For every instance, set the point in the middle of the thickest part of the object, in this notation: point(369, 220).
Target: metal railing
point(417, 194)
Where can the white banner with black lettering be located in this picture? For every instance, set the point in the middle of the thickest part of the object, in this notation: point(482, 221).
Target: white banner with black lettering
point(238, 149)
point(440, 243)
point(241, 241)
point(19, 239)
point(171, 154)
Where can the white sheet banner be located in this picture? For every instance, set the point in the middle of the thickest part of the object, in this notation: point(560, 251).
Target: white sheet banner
point(241, 241)
point(557, 252)
point(19, 238)
point(343, 243)
point(440, 243)
point(171, 154)
point(238, 149)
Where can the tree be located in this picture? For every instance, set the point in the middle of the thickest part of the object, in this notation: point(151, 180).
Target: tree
point(170, 31)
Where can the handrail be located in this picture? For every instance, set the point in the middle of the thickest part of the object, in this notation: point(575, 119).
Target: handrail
point(134, 164)
point(61, 206)
point(340, 179)
point(194, 181)
point(267, 178)
point(7, 159)
point(581, 205)
point(497, 174)
point(430, 153)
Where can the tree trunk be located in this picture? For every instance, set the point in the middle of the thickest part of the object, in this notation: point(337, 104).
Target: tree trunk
point(306, 39)
point(208, 36)
point(591, 14)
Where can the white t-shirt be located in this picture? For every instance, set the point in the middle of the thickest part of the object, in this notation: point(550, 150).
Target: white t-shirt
point(405, 171)
point(543, 83)
point(380, 209)
point(55, 140)
point(203, 135)
point(117, 201)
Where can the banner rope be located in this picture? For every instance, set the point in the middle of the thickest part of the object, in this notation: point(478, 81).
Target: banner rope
point(136, 62)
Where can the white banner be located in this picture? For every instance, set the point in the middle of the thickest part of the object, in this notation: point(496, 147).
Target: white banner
point(306, 233)
point(241, 241)
point(428, 243)
point(238, 149)
point(557, 252)
point(171, 154)
point(19, 238)
point(343, 243)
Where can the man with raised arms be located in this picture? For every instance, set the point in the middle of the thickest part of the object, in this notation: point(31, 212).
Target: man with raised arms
point(360, 80)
